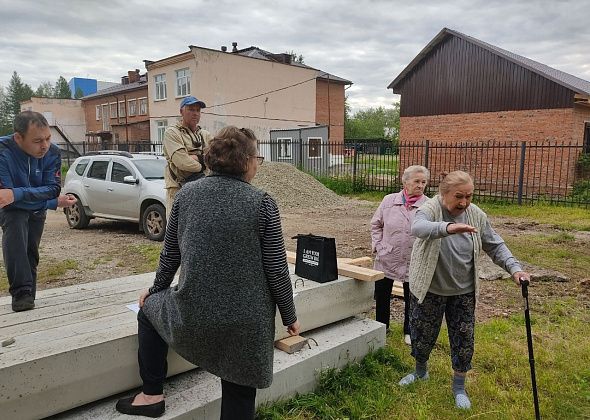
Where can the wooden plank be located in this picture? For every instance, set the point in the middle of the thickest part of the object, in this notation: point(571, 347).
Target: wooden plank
point(398, 289)
point(348, 270)
point(291, 344)
point(361, 261)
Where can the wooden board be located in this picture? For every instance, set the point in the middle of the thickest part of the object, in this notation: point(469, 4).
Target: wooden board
point(398, 289)
point(291, 344)
point(349, 270)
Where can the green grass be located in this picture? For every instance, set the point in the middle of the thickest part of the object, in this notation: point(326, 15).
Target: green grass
point(49, 270)
point(499, 385)
point(143, 258)
point(561, 252)
point(568, 218)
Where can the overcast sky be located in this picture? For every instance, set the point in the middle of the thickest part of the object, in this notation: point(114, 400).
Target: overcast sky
point(366, 41)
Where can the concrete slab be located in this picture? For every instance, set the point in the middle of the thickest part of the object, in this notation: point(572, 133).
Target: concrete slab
point(197, 394)
point(80, 343)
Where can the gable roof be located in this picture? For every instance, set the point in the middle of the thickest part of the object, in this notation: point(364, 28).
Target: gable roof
point(562, 78)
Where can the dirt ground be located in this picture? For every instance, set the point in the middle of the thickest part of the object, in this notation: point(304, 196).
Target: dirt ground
point(105, 250)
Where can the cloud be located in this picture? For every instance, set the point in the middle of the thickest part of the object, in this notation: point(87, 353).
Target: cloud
point(366, 41)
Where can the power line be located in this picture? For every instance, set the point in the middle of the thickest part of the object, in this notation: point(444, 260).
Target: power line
point(247, 116)
point(269, 92)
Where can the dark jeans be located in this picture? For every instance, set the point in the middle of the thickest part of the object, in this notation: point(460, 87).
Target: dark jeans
point(237, 401)
point(426, 320)
point(21, 235)
point(383, 302)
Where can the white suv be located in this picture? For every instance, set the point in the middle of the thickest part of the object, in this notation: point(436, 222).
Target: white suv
point(121, 186)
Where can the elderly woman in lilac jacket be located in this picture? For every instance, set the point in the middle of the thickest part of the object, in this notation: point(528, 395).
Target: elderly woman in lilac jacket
point(392, 240)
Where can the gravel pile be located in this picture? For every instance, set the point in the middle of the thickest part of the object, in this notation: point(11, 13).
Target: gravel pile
point(293, 189)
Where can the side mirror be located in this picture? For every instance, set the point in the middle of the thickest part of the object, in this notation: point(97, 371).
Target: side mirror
point(129, 179)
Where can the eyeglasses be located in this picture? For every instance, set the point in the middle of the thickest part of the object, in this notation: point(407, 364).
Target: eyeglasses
point(260, 159)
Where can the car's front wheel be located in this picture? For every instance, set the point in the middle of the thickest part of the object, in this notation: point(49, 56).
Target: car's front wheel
point(154, 222)
point(76, 217)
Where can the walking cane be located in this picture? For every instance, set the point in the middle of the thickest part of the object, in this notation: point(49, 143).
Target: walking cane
point(525, 294)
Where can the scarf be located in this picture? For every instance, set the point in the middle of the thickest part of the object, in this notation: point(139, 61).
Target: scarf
point(409, 201)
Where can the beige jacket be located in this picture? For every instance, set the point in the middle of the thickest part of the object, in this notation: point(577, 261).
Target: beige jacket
point(180, 143)
point(425, 251)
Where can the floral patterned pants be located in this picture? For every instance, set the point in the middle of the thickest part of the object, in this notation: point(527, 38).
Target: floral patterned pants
point(425, 322)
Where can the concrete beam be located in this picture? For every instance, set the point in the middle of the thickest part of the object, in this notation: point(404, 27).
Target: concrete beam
point(80, 342)
point(197, 394)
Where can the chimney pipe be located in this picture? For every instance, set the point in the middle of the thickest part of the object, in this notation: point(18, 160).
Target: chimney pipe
point(223, 48)
point(235, 46)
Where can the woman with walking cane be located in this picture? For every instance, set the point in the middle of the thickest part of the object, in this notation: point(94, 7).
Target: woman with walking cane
point(450, 235)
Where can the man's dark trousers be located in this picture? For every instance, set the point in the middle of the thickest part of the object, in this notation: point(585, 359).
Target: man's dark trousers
point(21, 235)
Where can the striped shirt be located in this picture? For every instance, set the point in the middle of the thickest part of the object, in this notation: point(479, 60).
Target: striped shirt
point(274, 258)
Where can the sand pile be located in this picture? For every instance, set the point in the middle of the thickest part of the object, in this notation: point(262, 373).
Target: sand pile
point(293, 189)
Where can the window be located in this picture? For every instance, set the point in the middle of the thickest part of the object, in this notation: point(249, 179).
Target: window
point(161, 125)
point(143, 104)
point(106, 126)
point(98, 113)
point(132, 103)
point(113, 110)
point(98, 170)
point(183, 82)
point(314, 147)
point(81, 166)
point(121, 108)
point(119, 172)
point(160, 81)
point(285, 148)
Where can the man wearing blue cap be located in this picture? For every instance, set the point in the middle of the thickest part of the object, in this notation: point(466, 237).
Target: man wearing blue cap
point(183, 148)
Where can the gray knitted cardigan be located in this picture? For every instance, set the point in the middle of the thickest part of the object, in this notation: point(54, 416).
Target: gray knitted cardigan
point(221, 315)
point(425, 251)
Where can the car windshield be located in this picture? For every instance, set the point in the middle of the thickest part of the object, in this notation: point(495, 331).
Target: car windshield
point(151, 168)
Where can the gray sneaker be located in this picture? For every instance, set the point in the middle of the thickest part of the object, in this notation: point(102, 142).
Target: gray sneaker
point(462, 401)
point(24, 302)
point(411, 378)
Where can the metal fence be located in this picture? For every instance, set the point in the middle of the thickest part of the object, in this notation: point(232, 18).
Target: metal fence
point(519, 172)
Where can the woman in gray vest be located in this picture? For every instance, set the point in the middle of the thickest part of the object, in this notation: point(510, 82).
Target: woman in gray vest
point(233, 275)
point(450, 235)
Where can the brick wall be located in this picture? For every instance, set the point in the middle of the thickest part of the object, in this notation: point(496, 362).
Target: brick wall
point(331, 112)
point(94, 125)
point(553, 138)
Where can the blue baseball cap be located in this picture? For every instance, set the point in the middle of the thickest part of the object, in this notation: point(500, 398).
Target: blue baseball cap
point(189, 100)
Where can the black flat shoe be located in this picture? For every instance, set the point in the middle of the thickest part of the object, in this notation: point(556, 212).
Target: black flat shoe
point(125, 406)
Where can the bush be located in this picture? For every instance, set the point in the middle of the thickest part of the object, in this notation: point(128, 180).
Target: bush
point(581, 190)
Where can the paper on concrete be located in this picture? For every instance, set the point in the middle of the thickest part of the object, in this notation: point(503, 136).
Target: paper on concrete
point(133, 307)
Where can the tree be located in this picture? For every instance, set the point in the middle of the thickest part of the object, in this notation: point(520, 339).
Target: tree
point(372, 123)
point(5, 121)
point(16, 92)
point(79, 93)
point(295, 58)
point(45, 90)
point(62, 90)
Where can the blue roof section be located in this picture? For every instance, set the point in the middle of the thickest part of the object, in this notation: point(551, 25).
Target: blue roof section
point(117, 89)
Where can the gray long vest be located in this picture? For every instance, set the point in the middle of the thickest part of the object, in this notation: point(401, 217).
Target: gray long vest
point(221, 315)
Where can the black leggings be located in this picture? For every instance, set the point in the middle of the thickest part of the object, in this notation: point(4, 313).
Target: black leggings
point(383, 301)
point(237, 401)
point(425, 322)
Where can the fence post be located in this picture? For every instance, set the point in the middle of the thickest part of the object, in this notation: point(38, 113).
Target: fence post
point(354, 163)
point(68, 152)
point(521, 172)
point(426, 152)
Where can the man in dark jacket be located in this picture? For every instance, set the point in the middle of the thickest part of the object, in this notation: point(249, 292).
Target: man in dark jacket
point(30, 183)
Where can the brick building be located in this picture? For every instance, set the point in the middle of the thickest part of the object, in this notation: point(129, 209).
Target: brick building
point(461, 90)
point(119, 114)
